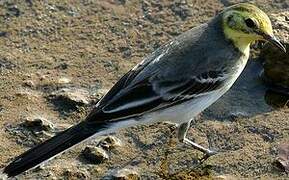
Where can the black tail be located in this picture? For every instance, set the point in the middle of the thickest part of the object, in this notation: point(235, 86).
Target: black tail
point(52, 147)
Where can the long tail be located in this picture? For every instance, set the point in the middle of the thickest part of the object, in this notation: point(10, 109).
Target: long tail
point(52, 147)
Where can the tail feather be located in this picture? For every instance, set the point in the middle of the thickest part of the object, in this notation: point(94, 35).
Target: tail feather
point(52, 147)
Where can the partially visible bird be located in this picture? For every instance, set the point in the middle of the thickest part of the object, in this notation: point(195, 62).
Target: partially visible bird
point(175, 83)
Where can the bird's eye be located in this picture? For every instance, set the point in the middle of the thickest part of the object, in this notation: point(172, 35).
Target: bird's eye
point(250, 23)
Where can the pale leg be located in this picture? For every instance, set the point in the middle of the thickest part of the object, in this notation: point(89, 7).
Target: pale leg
point(182, 131)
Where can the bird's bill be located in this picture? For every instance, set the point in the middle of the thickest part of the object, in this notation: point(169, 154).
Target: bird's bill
point(273, 40)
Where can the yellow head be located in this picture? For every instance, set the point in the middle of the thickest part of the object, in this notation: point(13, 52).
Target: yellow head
point(245, 23)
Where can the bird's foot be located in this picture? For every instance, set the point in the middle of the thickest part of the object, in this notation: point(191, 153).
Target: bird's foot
point(208, 154)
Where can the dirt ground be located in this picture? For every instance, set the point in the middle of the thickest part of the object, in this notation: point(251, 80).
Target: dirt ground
point(85, 47)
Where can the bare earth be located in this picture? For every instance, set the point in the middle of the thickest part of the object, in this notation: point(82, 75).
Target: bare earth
point(85, 46)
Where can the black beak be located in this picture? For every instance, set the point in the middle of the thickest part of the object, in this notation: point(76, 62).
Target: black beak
point(273, 40)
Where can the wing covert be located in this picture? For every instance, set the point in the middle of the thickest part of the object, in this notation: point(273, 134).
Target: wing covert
point(154, 94)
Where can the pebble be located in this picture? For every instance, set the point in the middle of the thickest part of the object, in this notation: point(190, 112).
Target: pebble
point(38, 123)
point(109, 142)
point(283, 156)
point(126, 50)
point(63, 126)
point(27, 93)
point(3, 176)
point(63, 80)
point(29, 83)
point(225, 177)
point(6, 64)
point(76, 174)
point(182, 10)
point(266, 133)
point(14, 11)
point(72, 95)
point(3, 34)
point(100, 93)
point(237, 115)
point(125, 174)
point(95, 155)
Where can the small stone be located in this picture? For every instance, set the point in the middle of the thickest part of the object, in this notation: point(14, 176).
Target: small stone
point(42, 77)
point(64, 80)
point(3, 176)
point(126, 50)
point(13, 11)
point(3, 34)
point(29, 83)
point(283, 157)
point(182, 10)
point(121, 2)
point(38, 123)
point(225, 177)
point(95, 155)
point(237, 115)
point(127, 53)
point(72, 95)
point(266, 133)
point(73, 12)
point(125, 174)
point(27, 93)
point(62, 127)
point(63, 66)
point(109, 142)
point(76, 174)
point(6, 64)
point(100, 93)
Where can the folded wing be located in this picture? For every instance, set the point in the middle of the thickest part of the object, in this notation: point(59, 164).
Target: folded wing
point(154, 93)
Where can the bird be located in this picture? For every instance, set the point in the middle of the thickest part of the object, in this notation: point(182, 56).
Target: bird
point(174, 83)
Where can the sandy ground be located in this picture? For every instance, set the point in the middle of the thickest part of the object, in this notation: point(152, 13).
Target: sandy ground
point(49, 45)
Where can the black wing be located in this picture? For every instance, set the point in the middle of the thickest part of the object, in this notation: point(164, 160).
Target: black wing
point(152, 94)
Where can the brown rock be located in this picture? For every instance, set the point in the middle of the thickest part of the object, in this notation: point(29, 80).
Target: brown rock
point(76, 174)
point(276, 66)
point(72, 95)
point(109, 142)
point(125, 174)
point(95, 155)
point(38, 123)
point(29, 83)
point(3, 177)
point(225, 177)
point(63, 80)
point(283, 157)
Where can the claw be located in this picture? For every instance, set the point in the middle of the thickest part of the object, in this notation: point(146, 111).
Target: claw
point(208, 154)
